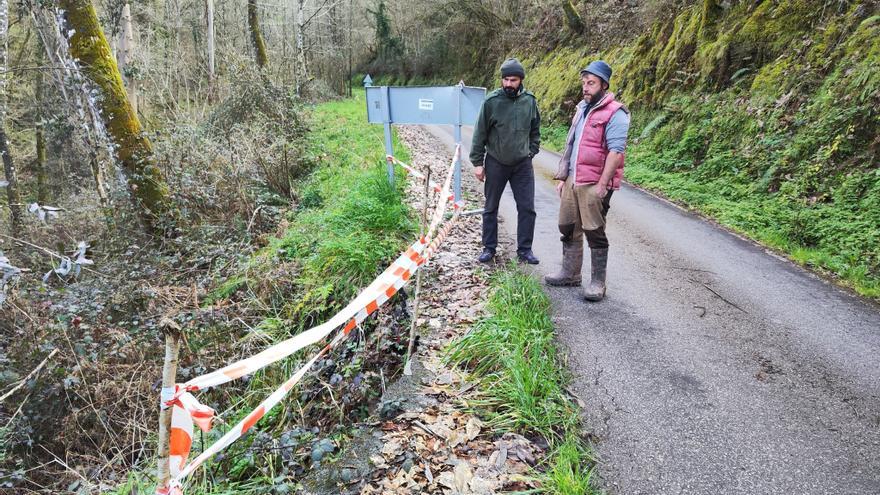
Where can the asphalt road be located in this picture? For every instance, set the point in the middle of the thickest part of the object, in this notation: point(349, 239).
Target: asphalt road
point(712, 366)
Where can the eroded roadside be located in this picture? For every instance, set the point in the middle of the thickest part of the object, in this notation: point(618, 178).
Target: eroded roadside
point(420, 437)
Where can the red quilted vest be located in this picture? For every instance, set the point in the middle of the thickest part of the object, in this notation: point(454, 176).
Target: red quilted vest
point(592, 150)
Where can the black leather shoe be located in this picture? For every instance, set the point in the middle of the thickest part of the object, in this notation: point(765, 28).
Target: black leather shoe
point(487, 255)
point(527, 257)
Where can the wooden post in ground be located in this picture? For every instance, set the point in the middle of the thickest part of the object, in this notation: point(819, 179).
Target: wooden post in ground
point(407, 367)
point(169, 379)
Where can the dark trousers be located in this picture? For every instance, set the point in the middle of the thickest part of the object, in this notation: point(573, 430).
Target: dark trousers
point(522, 182)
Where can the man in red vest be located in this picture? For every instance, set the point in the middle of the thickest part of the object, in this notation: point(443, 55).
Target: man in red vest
point(589, 172)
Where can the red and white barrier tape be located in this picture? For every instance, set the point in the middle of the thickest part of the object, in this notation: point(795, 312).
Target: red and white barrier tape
point(403, 266)
point(440, 237)
point(440, 210)
point(415, 172)
point(186, 407)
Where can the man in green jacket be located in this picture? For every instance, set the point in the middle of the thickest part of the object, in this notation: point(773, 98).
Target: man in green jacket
point(506, 137)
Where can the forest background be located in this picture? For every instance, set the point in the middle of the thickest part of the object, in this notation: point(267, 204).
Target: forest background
point(189, 187)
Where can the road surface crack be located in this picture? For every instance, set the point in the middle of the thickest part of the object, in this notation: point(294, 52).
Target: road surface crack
point(713, 291)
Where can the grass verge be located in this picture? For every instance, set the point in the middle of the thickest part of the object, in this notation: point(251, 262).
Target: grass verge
point(348, 222)
point(522, 380)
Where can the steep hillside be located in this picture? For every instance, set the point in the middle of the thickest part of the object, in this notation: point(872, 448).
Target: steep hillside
point(764, 115)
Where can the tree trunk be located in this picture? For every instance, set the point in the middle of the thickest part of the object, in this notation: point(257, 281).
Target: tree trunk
point(126, 49)
point(302, 70)
point(12, 195)
point(40, 161)
point(209, 7)
point(260, 53)
point(133, 149)
point(169, 378)
point(350, 47)
point(572, 18)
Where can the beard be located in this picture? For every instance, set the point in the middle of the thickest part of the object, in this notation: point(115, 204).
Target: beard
point(592, 100)
point(511, 92)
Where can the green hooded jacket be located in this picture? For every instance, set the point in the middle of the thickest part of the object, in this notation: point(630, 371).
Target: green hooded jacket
point(508, 128)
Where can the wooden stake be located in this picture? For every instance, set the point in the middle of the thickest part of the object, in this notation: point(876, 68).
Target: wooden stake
point(407, 368)
point(169, 379)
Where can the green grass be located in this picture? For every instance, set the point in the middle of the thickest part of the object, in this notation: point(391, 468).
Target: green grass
point(350, 222)
point(512, 354)
point(837, 237)
point(553, 136)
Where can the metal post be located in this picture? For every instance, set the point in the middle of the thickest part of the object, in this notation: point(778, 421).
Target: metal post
point(456, 188)
point(389, 149)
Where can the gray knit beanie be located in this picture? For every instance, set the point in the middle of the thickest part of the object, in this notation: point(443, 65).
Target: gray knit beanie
point(512, 67)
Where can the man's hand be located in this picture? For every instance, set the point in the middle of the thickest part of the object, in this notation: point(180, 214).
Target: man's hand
point(559, 188)
point(601, 190)
point(480, 173)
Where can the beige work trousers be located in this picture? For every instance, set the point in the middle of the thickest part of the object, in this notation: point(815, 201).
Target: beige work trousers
point(582, 212)
point(581, 206)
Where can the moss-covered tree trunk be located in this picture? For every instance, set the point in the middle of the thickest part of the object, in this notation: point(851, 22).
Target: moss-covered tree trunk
point(40, 161)
point(133, 149)
point(260, 52)
point(12, 196)
point(711, 13)
point(14, 201)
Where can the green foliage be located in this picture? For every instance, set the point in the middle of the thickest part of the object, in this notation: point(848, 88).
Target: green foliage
point(764, 116)
point(553, 137)
point(555, 80)
point(226, 289)
point(359, 222)
point(348, 224)
point(513, 355)
point(389, 47)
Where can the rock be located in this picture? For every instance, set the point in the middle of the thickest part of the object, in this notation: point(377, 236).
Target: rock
point(321, 449)
point(390, 409)
point(347, 475)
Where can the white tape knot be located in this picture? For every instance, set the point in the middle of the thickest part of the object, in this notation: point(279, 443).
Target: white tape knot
point(168, 395)
point(174, 488)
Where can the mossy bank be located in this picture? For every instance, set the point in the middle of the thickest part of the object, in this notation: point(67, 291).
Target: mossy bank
point(762, 115)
